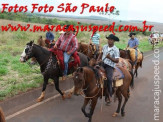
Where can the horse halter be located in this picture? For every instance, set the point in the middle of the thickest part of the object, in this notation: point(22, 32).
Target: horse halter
point(29, 52)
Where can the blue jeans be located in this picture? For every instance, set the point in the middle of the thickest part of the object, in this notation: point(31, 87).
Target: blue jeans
point(66, 59)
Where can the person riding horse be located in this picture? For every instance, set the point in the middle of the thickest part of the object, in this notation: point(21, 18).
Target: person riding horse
point(68, 43)
point(49, 38)
point(95, 39)
point(133, 43)
point(110, 56)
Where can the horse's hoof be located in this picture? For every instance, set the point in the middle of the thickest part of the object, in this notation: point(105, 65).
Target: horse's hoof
point(69, 95)
point(115, 114)
point(63, 96)
point(122, 114)
point(40, 99)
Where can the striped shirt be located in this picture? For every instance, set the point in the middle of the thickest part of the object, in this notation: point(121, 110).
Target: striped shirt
point(114, 53)
point(69, 44)
point(95, 38)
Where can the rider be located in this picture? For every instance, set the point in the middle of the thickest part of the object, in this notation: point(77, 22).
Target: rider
point(49, 38)
point(133, 43)
point(110, 56)
point(95, 39)
point(68, 43)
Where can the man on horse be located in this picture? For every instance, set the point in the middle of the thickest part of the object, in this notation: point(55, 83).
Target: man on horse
point(133, 43)
point(49, 38)
point(95, 39)
point(68, 43)
point(110, 56)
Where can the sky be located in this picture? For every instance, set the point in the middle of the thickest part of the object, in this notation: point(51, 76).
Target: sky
point(129, 9)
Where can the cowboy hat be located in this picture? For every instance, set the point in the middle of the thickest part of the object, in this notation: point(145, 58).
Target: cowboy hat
point(111, 36)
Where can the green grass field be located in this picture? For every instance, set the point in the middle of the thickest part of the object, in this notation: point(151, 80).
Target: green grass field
point(16, 77)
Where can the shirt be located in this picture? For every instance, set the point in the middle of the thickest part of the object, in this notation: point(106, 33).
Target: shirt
point(49, 36)
point(133, 42)
point(114, 53)
point(69, 44)
point(95, 38)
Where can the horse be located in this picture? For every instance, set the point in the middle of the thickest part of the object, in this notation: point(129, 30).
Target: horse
point(126, 54)
point(86, 80)
point(2, 117)
point(41, 43)
point(88, 49)
point(49, 65)
point(125, 63)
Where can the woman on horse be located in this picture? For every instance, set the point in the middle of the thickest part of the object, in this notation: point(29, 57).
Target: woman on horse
point(68, 43)
point(110, 56)
point(133, 43)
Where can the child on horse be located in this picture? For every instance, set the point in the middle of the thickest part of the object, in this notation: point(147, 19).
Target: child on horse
point(110, 56)
point(68, 43)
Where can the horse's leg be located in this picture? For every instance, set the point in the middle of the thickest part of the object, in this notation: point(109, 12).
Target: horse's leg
point(132, 81)
point(56, 82)
point(84, 106)
point(136, 69)
point(93, 105)
point(71, 92)
point(125, 94)
point(118, 93)
point(43, 90)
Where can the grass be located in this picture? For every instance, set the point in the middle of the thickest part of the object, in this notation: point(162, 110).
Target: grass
point(16, 77)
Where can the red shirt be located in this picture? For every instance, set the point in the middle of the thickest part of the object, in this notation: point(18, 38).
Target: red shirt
point(69, 44)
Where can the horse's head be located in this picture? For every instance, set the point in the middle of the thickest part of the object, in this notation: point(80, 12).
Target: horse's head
point(79, 80)
point(27, 53)
point(92, 62)
point(124, 53)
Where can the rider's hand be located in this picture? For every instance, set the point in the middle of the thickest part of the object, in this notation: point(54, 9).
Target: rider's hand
point(55, 46)
point(68, 53)
point(108, 56)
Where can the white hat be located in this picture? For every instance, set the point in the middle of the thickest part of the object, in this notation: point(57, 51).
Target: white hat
point(61, 32)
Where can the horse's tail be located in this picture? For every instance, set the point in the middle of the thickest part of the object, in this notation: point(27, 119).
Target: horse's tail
point(2, 118)
point(141, 62)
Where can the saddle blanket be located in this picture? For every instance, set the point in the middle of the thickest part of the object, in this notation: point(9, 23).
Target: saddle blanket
point(60, 58)
point(117, 74)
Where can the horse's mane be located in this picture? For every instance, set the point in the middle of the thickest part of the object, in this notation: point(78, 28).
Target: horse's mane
point(97, 75)
point(45, 51)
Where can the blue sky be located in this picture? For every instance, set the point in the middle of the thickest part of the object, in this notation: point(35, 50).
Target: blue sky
point(129, 9)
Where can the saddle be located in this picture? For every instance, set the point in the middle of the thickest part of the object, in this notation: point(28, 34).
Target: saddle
point(118, 77)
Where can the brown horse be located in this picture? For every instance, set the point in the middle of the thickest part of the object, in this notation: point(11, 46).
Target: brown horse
point(126, 54)
point(2, 117)
point(88, 49)
point(86, 80)
point(125, 63)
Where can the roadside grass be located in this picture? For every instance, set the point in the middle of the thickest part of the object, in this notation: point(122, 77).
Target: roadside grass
point(16, 77)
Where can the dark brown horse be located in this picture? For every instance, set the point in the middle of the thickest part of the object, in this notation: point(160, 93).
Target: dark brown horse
point(2, 117)
point(126, 54)
point(86, 81)
point(49, 66)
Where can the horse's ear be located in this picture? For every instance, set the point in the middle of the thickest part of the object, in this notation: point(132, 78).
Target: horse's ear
point(81, 70)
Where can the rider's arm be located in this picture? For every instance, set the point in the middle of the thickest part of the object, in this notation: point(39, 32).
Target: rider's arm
point(100, 56)
point(75, 45)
